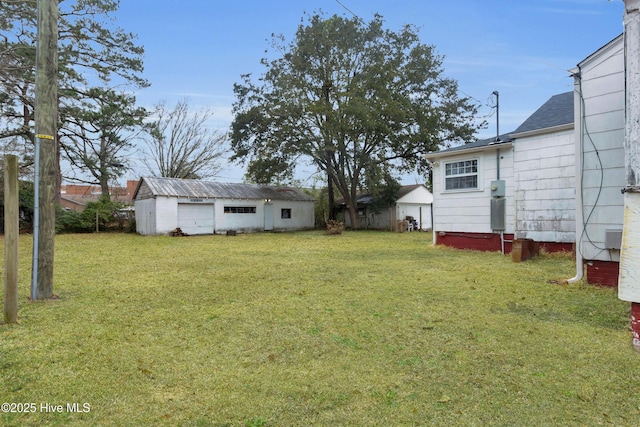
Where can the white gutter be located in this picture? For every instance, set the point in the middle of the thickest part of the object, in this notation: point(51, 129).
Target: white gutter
point(464, 151)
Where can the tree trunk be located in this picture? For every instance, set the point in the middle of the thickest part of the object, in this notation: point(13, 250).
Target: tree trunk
point(354, 218)
point(331, 197)
point(104, 186)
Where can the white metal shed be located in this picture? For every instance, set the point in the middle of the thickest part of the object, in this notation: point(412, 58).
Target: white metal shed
point(205, 207)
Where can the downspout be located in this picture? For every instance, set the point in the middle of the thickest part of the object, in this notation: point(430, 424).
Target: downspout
point(578, 118)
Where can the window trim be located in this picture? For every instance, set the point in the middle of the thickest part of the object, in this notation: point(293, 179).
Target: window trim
point(234, 209)
point(477, 174)
point(287, 210)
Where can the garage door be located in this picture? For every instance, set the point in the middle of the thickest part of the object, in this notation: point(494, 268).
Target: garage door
point(195, 218)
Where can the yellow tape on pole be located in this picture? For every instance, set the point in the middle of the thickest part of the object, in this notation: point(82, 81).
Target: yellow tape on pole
point(42, 136)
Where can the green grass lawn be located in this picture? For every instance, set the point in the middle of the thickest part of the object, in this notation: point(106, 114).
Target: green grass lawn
point(301, 329)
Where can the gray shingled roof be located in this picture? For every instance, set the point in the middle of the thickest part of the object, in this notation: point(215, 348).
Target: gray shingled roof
point(557, 111)
point(194, 188)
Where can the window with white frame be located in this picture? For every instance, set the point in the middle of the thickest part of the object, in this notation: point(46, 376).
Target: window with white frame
point(239, 209)
point(462, 175)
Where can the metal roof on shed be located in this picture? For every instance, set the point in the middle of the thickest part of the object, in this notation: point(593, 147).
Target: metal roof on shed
point(193, 188)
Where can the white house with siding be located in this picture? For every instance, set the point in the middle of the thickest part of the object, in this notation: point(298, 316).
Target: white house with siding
point(563, 169)
point(462, 195)
point(600, 124)
point(204, 207)
point(520, 185)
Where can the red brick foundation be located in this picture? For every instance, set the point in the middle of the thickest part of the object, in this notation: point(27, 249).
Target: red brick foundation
point(491, 242)
point(604, 273)
point(635, 325)
point(476, 241)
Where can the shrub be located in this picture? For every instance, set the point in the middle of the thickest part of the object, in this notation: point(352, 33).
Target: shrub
point(68, 221)
point(102, 215)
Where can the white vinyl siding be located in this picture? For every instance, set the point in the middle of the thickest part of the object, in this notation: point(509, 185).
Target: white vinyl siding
point(600, 113)
point(545, 196)
point(469, 210)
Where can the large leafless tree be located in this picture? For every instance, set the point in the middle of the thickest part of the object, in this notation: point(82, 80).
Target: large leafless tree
point(182, 144)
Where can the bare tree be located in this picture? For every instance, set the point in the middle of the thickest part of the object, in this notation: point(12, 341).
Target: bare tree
point(180, 144)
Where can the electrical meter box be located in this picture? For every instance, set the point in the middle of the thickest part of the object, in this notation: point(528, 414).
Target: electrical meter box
point(498, 209)
point(498, 188)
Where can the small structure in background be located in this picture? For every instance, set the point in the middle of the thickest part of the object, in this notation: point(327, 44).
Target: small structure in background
point(206, 207)
point(411, 211)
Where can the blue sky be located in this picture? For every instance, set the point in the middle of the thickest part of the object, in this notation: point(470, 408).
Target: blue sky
point(197, 49)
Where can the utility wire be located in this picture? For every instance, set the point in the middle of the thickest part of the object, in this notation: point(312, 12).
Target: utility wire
point(349, 10)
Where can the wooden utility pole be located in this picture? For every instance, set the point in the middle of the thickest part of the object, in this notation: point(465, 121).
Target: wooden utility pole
point(46, 113)
point(629, 278)
point(11, 232)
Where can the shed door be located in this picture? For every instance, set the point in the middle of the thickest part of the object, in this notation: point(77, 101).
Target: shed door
point(195, 218)
point(268, 217)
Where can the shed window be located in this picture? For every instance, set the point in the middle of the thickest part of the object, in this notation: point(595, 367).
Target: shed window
point(461, 175)
point(285, 213)
point(240, 209)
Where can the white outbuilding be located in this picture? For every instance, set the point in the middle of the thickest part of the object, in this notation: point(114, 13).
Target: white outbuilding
point(205, 207)
point(413, 206)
